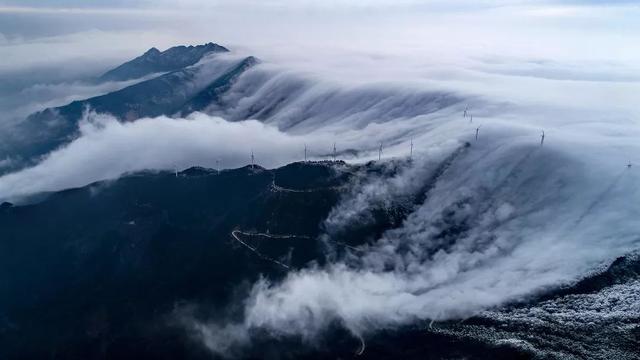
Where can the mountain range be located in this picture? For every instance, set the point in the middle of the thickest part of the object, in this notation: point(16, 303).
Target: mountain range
point(180, 86)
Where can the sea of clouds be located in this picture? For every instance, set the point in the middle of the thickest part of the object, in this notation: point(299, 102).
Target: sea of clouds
point(529, 218)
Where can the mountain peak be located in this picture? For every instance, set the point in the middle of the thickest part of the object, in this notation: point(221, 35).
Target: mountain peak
point(154, 61)
point(152, 51)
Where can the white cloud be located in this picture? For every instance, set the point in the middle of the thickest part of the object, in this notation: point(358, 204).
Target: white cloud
point(107, 148)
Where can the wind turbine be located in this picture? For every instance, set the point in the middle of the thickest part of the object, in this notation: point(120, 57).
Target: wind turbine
point(477, 131)
point(380, 152)
point(252, 159)
point(470, 118)
point(465, 111)
point(305, 152)
point(542, 138)
point(334, 151)
point(411, 150)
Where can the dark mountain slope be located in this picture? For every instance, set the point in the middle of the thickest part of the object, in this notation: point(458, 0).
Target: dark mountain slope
point(91, 272)
point(100, 272)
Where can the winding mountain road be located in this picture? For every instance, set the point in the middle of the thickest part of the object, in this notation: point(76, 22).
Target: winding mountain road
point(235, 233)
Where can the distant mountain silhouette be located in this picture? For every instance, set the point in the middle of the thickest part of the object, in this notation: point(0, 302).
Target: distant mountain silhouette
point(154, 61)
point(178, 92)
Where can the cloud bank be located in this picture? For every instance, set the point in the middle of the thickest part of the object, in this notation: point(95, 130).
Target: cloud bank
point(107, 149)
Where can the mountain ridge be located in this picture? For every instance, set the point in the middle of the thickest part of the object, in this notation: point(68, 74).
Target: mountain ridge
point(154, 61)
point(178, 92)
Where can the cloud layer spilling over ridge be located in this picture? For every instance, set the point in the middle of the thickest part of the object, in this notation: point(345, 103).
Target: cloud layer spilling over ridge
point(504, 221)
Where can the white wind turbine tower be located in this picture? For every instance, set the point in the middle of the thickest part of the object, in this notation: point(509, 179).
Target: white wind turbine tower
point(252, 159)
point(380, 152)
point(411, 150)
point(334, 151)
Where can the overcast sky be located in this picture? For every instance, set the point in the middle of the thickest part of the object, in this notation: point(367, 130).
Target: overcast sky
point(596, 29)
